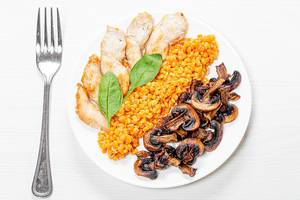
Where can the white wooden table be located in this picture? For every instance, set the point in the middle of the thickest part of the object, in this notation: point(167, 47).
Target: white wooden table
point(267, 164)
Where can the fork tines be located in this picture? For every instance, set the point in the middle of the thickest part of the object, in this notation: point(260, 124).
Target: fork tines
point(54, 45)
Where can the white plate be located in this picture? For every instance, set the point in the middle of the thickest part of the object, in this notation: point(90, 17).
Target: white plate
point(171, 177)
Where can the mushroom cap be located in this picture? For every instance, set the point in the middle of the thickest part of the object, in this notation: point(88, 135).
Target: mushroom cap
point(210, 100)
point(182, 115)
point(189, 149)
point(205, 105)
point(185, 169)
point(161, 160)
point(155, 139)
point(234, 81)
point(215, 136)
point(149, 143)
point(231, 113)
point(145, 167)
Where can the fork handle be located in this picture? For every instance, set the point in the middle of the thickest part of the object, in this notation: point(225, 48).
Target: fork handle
point(42, 181)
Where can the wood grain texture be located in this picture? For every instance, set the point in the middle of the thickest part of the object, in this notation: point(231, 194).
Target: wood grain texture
point(266, 166)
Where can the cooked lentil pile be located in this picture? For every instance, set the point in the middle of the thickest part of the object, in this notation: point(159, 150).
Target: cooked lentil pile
point(186, 60)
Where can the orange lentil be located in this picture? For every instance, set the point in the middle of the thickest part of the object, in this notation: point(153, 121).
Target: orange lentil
point(186, 60)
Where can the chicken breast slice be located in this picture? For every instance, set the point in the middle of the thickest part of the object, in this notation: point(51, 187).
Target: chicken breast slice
point(138, 32)
point(170, 29)
point(133, 52)
point(87, 111)
point(91, 77)
point(112, 54)
point(140, 28)
point(113, 43)
point(110, 64)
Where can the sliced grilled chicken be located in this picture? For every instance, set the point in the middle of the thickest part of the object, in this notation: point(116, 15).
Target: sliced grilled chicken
point(112, 54)
point(133, 52)
point(140, 28)
point(170, 29)
point(91, 77)
point(87, 111)
point(138, 32)
point(113, 43)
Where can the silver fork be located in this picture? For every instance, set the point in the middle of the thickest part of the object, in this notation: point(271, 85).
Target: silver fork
point(48, 60)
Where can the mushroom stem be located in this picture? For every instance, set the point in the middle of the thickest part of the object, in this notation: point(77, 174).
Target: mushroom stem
point(222, 71)
point(216, 86)
point(184, 116)
point(165, 138)
point(185, 169)
point(175, 123)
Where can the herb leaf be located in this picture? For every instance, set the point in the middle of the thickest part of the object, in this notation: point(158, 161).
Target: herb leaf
point(144, 71)
point(110, 96)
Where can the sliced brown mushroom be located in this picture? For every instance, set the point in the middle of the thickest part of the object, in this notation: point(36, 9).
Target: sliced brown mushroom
point(231, 113)
point(189, 149)
point(160, 160)
point(234, 81)
point(185, 169)
point(233, 96)
point(215, 136)
point(149, 144)
point(226, 95)
point(164, 138)
point(145, 167)
point(210, 100)
point(222, 71)
point(171, 152)
point(211, 114)
point(166, 158)
point(154, 139)
point(184, 116)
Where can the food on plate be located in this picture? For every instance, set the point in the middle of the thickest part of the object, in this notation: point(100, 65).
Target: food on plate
point(113, 44)
point(110, 95)
point(138, 32)
point(112, 55)
point(91, 77)
point(114, 66)
point(150, 82)
point(193, 126)
point(144, 71)
point(187, 59)
point(88, 111)
point(133, 52)
point(140, 29)
point(171, 28)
